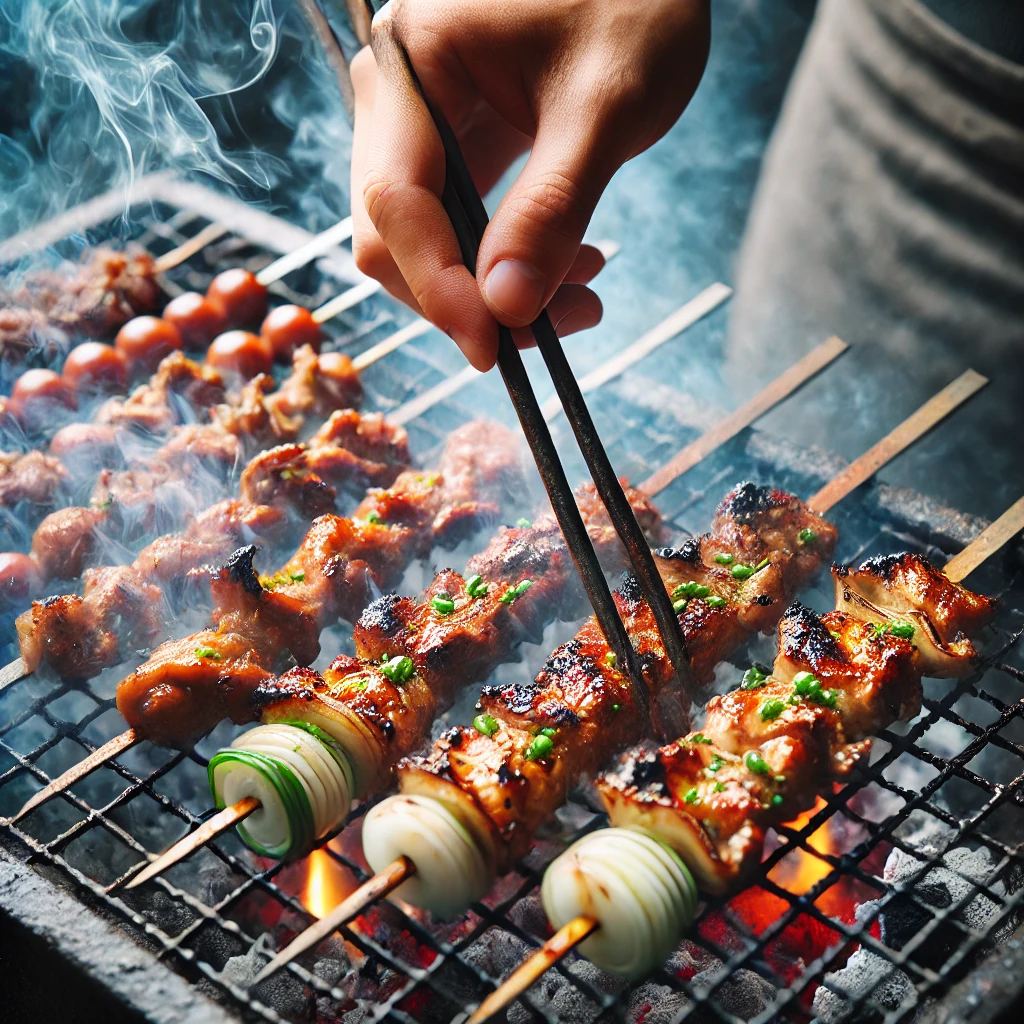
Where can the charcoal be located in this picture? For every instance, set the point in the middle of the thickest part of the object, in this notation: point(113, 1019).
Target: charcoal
point(561, 999)
point(867, 984)
point(744, 993)
point(282, 990)
point(656, 1004)
point(529, 915)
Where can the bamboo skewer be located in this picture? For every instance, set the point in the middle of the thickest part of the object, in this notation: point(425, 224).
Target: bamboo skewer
point(986, 544)
point(176, 256)
point(376, 888)
point(315, 247)
point(921, 421)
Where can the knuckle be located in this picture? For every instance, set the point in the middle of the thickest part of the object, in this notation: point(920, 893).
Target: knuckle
point(554, 201)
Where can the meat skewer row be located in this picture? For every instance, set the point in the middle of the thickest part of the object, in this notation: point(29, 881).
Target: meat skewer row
point(483, 790)
point(365, 712)
point(122, 607)
point(113, 287)
point(771, 395)
point(188, 685)
point(318, 386)
point(694, 813)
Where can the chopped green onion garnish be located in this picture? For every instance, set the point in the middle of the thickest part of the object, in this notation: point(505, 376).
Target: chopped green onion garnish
point(777, 800)
point(904, 630)
point(540, 747)
point(771, 709)
point(742, 572)
point(716, 764)
point(486, 724)
point(753, 678)
point(399, 670)
point(298, 577)
point(610, 659)
point(517, 591)
point(442, 603)
point(699, 737)
point(209, 652)
point(806, 536)
point(691, 796)
point(616, 707)
point(691, 589)
point(548, 732)
point(373, 516)
point(724, 559)
point(679, 606)
point(714, 601)
point(756, 763)
point(719, 787)
point(523, 524)
point(476, 587)
point(834, 634)
point(760, 565)
point(805, 683)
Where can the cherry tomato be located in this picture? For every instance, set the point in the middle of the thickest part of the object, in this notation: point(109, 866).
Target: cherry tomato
point(145, 340)
point(93, 366)
point(288, 328)
point(38, 397)
point(242, 298)
point(198, 319)
point(19, 577)
point(241, 352)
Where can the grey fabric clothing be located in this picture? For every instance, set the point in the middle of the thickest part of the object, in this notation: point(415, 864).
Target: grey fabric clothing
point(891, 212)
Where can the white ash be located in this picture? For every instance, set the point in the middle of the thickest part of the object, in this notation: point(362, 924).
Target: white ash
point(656, 1004)
point(868, 983)
point(528, 914)
point(744, 994)
point(561, 999)
point(282, 990)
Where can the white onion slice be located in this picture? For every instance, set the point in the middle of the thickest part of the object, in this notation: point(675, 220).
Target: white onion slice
point(452, 872)
point(638, 890)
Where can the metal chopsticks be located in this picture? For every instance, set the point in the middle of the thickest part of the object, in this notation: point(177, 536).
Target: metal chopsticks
point(469, 219)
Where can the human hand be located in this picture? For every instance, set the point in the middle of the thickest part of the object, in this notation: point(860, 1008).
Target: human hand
point(587, 84)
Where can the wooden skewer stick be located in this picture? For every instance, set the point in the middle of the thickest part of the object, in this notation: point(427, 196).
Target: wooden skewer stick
point(118, 745)
point(766, 399)
point(558, 946)
point(220, 822)
point(771, 395)
point(913, 427)
point(352, 906)
point(315, 247)
point(987, 543)
point(189, 248)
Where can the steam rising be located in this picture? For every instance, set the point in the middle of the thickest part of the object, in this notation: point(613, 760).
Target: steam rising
point(112, 104)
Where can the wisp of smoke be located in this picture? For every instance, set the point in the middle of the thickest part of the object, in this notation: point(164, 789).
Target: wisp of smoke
point(110, 104)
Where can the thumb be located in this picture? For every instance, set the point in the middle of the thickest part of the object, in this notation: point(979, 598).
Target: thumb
point(535, 235)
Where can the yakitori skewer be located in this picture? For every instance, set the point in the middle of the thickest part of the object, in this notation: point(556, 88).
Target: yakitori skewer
point(429, 818)
point(185, 688)
point(633, 887)
point(544, 590)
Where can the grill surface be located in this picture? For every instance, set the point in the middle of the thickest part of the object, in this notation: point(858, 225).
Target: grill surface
point(941, 799)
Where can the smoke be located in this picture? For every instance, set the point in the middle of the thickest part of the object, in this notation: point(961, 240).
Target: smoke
point(96, 93)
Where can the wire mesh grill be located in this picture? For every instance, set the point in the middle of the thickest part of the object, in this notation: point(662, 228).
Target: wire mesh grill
point(953, 775)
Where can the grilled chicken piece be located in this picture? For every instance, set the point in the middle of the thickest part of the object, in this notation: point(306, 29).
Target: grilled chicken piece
point(65, 540)
point(32, 477)
point(178, 388)
point(317, 385)
point(85, 448)
point(100, 296)
point(78, 636)
point(768, 748)
point(906, 589)
point(579, 709)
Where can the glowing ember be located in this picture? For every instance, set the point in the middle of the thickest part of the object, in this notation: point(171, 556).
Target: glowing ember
point(799, 871)
point(327, 884)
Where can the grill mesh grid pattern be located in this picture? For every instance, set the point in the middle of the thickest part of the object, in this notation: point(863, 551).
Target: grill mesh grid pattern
point(134, 805)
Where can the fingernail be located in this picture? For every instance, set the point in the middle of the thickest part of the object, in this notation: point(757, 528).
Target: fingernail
point(576, 320)
point(516, 289)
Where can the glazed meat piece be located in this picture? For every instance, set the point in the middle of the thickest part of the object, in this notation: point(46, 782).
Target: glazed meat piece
point(66, 539)
point(253, 417)
point(905, 590)
point(32, 477)
point(86, 448)
point(545, 734)
point(318, 385)
point(96, 298)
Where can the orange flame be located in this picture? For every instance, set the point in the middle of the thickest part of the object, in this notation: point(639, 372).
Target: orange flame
point(327, 884)
point(800, 871)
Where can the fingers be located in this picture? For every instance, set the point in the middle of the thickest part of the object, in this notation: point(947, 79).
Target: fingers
point(401, 188)
point(572, 308)
point(533, 242)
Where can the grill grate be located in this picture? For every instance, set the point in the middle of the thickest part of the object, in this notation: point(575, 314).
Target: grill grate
point(957, 769)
